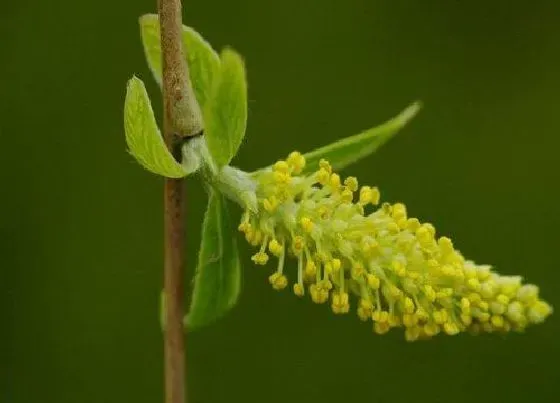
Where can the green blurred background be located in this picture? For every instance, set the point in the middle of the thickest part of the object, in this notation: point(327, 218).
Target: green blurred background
point(81, 222)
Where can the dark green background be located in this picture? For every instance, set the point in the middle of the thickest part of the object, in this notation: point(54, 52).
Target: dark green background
point(80, 225)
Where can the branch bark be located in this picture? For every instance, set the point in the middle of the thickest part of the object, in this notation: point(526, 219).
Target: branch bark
point(182, 119)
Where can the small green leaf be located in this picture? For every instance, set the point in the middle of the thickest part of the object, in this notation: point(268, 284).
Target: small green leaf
point(226, 111)
point(202, 60)
point(351, 149)
point(217, 283)
point(143, 138)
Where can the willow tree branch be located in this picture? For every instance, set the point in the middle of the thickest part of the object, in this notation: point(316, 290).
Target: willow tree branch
point(182, 118)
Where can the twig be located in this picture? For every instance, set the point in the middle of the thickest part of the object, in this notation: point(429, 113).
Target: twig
point(182, 118)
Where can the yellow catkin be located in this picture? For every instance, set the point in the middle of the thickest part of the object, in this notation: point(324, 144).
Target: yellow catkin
point(397, 270)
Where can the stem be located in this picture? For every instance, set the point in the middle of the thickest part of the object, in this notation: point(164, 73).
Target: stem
point(181, 118)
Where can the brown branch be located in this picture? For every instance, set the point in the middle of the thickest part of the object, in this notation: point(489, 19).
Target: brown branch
point(182, 118)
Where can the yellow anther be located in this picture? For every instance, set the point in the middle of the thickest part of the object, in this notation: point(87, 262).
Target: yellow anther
point(365, 195)
point(497, 321)
point(497, 308)
point(465, 304)
point(365, 309)
point(340, 303)
point(423, 235)
point(431, 229)
point(412, 224)
point(256, 239)
point(395, 292)
point(334, 182)
point(451, 328)
point(445, 244)
point(275, 247)
point(399, 211)
point(474, 298)
point(278, 281)
point(515, 311)
point(470, 272)
point(351, 183)
point(410, 320)
point(408, 306)
point(431, 329)
point(466, 319)
point(502, 299)
point(249, 234)
point(369, 195)
point(487, 289)
point(244, 226)
point(510, 285)
point(483, 273)
point(473, 284)
point(299, 290)
point(393, 227)
point(346, 196)
point(483, 316)
point(310, 269)
point(444, 293)
point(528, 294)
point(336, 264)
point(422, 314)
point(398, 267)
point(282, 178)
point(314, 291)
point(459, 274)
point(394, 320)
point(324, 164)
point(440, 317)
point(448, 270)
point(323, 296)
point(538, 311)
point(322, 176)
point(369, 246)
point(402, 223)
point(412, 333)
point(483, 305)
point(373, 281)
point(318, 294)
point(326, 285)
point(260, 258)
point(380, 316)
point(381, 328)
point(375, 196)
point(297, 244)
point(430, 293)
point(281, 166)
point(296, 161)
point(306, 224)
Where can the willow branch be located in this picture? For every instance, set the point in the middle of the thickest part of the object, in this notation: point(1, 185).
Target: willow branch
point(182, 119)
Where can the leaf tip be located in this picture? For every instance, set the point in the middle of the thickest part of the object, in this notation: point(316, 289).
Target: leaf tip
point(147, 18)
point(410, 112)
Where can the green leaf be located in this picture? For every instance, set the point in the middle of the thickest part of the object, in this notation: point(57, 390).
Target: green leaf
point(351, 149)
point(203, 61)
point(226, 111)
point(143, 138)
point(217, 283)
